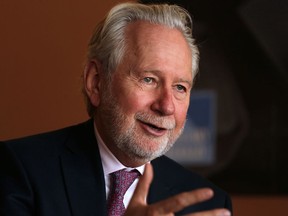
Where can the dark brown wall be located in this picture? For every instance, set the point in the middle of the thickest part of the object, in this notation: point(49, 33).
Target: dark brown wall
point(42, 50)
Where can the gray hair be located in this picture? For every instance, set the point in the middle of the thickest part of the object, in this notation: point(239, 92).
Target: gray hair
point(107, 44)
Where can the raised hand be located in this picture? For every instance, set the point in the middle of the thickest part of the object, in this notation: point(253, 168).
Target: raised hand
point(138, 205)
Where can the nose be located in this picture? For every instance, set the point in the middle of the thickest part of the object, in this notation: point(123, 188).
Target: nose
point(164, 103)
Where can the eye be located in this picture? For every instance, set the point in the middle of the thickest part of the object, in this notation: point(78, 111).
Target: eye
point(148, 80)
point(181, 88)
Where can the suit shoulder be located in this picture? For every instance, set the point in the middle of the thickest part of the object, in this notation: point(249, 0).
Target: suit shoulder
point(43, 142)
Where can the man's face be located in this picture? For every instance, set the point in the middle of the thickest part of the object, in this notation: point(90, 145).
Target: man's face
point(143, 110)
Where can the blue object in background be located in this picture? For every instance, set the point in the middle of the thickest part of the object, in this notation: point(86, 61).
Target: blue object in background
point(197, 144)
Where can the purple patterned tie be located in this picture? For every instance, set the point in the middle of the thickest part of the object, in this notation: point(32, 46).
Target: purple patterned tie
point(120, 182)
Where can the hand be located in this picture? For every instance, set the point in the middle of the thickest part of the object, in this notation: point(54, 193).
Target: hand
point(138, 205)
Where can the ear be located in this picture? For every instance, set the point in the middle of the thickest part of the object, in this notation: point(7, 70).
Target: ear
point(91, 79)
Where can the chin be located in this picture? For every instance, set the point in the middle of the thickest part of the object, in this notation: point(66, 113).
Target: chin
point(148, 152)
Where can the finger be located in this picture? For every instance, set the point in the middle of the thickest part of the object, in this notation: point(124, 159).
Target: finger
point(215, 212)
point(143, 186)
point(182, 200)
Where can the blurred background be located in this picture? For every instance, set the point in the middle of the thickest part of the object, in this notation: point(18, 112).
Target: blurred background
point(244, 66)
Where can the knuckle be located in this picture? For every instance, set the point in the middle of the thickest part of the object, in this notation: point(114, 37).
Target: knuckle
point(180, 201)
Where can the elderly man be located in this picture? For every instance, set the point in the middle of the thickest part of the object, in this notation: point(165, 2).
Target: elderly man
point(140, 68)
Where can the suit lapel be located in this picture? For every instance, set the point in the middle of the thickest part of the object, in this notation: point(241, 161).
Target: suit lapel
point(83, 173)
point(166, 183)
point(161, 188)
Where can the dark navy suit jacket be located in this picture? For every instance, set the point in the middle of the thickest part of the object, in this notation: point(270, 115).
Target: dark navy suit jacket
point(60, 174)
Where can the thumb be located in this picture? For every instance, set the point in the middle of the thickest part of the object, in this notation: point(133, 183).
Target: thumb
point(142, 189)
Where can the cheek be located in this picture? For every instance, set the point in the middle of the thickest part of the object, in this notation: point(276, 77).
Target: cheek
point(181, 114)
point(134, 101)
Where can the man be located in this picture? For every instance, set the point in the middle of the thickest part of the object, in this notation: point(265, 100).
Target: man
point(140, 69)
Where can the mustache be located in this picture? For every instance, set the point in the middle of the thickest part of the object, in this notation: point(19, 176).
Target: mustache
point(158, 121)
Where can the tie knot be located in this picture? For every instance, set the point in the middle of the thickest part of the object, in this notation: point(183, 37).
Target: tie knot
point(122, 180)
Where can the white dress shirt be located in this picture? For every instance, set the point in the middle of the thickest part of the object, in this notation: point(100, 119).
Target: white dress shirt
point(111, 164)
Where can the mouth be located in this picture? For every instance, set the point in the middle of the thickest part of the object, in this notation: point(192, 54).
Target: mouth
point(155, 127)
point(152, 129)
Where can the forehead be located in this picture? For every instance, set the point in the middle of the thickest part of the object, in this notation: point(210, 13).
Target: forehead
point(145, 33)
point(153, 42)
